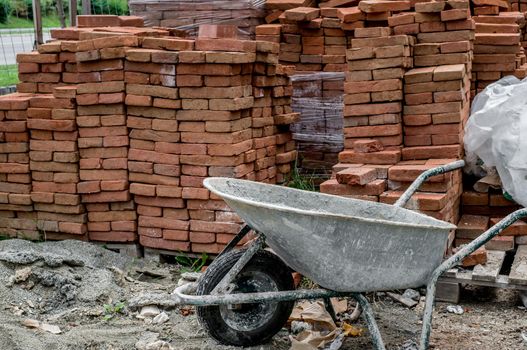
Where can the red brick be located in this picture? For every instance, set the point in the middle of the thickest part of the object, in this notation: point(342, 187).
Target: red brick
point(356, 176)
point(158, 243)
point(374, 188)
point(476, 258)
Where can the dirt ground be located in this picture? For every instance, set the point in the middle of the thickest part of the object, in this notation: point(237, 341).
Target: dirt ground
point(67, 284)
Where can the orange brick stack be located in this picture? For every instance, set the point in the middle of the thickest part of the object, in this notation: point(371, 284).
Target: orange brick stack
point(103, 140)
point(185, 110)
point(383, 152)
point(437, 90)
point(17, 218)
point(437, 108)
point(498, 49)
point(153, 161)
point(311, 39)
point(484, 209)
point(273, 147)
point(373, 96)
point(54, 164)
point(40, 71)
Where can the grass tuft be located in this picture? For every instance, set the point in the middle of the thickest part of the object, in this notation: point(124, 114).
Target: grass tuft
point(8, 75)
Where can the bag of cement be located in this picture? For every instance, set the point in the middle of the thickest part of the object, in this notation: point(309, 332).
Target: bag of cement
point(496, 133)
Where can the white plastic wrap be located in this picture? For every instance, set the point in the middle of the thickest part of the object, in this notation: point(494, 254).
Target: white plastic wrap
point(496, 133)
point(318, 97)
point(188, 15)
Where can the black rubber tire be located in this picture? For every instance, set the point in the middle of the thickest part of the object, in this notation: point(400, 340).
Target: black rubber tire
point(211, 317)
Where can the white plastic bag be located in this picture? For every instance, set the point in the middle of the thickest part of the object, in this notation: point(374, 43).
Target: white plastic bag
point(496, 132)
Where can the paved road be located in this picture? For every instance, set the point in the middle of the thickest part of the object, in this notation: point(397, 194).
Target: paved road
point(13, 41)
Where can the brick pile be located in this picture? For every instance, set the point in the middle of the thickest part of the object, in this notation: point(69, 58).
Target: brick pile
point(188, 15)
point(311, 39)
point(498, 49)
point(54, 164)
point(153, 161)
point(103, 140)
point(435, 112)
point(392, 111)
point(17, 218)
point(126, 148)
point(373, 95)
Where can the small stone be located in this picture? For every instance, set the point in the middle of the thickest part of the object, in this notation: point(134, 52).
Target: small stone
point(412, 294)
point(191, 276)
point(455, 309)
point(161, 318)
point(22, 275)
point(150, 311)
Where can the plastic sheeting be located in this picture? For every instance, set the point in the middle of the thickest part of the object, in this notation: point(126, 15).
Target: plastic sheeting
point(496, 133)
point(318, 97)
point(188, 15)
point(320, 116)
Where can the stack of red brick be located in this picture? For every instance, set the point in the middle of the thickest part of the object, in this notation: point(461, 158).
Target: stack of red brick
point(54, 164)
point(124, 155)
point(16, 208)
point(373, 95)
point(310, 39)
point(390, 142)
point(498, 49)
point(103, 139)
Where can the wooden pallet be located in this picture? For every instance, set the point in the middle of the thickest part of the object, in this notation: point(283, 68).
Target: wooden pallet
point(162, 256)
point(495, 273)
point(129, 249)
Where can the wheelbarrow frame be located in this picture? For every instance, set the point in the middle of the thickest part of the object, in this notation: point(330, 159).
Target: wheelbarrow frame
point(220, 295)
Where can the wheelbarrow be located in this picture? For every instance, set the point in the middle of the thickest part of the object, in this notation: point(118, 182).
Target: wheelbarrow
point(346, 246)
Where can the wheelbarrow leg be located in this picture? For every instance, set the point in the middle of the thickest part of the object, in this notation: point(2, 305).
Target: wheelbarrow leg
point(330, 309)
point(237, 239)
point(253, 248)
point(454, 260)
point(369, 317)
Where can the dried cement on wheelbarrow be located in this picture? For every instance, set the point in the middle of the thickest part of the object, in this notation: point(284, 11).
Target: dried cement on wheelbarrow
point(68, 283)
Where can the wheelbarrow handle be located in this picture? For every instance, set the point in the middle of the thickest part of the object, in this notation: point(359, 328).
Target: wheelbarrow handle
point(403, 200)
point(456, 259)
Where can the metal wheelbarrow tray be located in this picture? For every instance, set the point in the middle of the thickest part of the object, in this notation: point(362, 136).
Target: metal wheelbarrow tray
point(346, 246)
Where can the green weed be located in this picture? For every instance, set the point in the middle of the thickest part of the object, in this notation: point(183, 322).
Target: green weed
point(112, 310)
point(189, 264)
point(299, 181)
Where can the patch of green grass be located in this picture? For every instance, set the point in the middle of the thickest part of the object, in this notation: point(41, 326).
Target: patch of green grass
point(189, 264)
point(8, 75)
point(299, 181)
point(112, 310)
point(15, 22)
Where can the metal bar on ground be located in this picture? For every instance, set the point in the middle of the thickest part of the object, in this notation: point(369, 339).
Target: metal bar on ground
point(183, 298)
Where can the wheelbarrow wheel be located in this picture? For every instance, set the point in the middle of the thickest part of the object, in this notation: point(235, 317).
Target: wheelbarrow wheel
point(246, 324)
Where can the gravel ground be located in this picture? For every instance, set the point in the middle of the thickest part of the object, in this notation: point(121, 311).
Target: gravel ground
point(67, 284)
